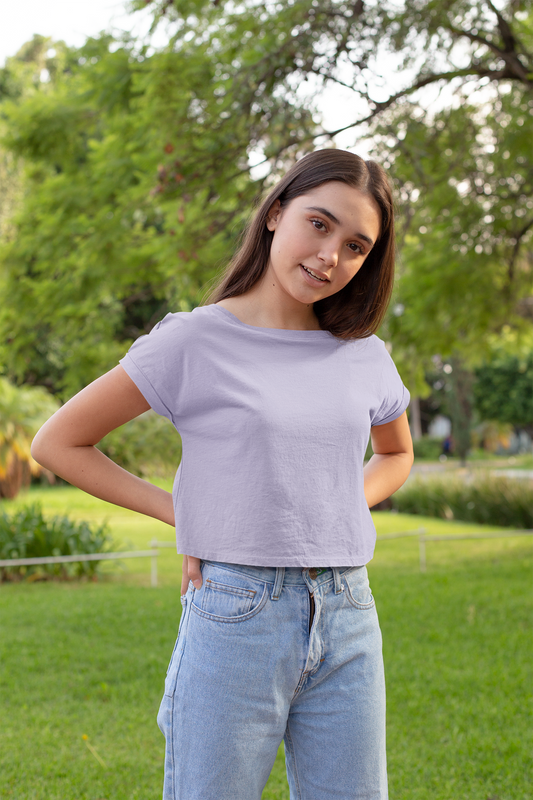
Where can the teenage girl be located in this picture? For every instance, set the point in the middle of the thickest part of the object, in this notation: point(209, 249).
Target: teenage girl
point(274, 386)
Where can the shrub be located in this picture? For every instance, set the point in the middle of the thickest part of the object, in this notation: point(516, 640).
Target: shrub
point(27, 534)
point(427, 448)
point(148, 445)
point(484, 498)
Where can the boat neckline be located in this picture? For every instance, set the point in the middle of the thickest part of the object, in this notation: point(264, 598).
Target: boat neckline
point(286, 333)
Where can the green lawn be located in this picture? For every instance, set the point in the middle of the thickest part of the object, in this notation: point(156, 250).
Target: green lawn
point(89, 660)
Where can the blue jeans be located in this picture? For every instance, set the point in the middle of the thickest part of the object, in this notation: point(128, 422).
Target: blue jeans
point(266, 654)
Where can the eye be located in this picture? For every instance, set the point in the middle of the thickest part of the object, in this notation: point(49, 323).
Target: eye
point(356, 248)
point(318, 224)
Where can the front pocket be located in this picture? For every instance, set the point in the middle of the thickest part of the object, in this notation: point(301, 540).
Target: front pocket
point(222, 601)
point(358, 589)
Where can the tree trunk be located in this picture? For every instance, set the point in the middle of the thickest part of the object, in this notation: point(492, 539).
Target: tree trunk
point(461, 407)
point(16, 477)
point(416, 423)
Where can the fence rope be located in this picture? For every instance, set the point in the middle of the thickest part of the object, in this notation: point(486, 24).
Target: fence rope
point(72, 559)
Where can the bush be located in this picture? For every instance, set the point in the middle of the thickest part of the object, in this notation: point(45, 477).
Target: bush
point(484, 499)
point(27, 534)
point(149, 445)
point(427, 448)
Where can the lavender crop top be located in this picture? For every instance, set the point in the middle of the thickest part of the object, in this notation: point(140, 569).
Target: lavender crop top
point(274, 425)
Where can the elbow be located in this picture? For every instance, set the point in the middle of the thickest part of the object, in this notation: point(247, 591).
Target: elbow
point(39, 449)
point(408, 461)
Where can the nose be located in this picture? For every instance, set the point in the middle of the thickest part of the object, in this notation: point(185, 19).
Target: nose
point(329, 254)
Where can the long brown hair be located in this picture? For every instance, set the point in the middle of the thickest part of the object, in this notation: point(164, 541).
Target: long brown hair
point(356, 311)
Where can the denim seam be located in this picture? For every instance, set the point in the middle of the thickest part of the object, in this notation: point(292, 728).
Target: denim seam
point(320, 627)
point(241, 618)
point(184, 624)
point(236, 590)
point(180, 645)
point(288, 741)
point(240, 574)
point(355, 604)
point(170, 750)
point(317, 581)
point(172, 687)
point(173, 651)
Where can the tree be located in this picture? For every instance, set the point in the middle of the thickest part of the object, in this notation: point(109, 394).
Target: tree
point(503, 391)
point(22, 412)
point(463, 167)
point(108, 239)
point(124, 218)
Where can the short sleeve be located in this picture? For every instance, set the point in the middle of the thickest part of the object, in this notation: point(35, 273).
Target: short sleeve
point(395, 395)
point(153, 364)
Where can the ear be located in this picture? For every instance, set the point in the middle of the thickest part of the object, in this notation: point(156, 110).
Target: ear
point(273, 215)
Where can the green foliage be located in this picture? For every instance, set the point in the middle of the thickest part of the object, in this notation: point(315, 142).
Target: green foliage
point(464, 179)
point(461, 407)
point(10, 192)
point(483, 498)
point(28, 534)
point(427, 448)
point(503, 391)
point(148, 446)
point(138, 168)
point(124, 219)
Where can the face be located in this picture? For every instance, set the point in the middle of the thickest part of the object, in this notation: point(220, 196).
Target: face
point(321, 240)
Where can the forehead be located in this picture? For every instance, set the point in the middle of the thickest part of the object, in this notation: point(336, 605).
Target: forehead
point(347, 204)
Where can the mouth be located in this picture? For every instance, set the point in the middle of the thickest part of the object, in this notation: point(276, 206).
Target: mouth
point(317, 276)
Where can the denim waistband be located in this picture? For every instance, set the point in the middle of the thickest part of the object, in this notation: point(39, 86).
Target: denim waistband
point(311, 577)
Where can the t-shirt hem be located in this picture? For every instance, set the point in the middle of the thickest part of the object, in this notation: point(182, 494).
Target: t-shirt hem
point(302, 562)
point(398, 413)
point(144, 386)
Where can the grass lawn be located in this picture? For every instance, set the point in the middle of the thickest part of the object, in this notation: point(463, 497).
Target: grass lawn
point(88, 660)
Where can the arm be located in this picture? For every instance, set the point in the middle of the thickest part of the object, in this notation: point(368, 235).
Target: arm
point(66, 446)
point(391, 463)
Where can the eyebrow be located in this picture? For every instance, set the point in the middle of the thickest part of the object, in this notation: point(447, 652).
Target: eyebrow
point(334, 219)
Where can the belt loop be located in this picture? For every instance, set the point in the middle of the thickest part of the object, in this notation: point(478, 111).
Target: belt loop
point(337, 577)
point(278, 583)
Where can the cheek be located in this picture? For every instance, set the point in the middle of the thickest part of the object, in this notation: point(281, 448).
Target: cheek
point(284, 252)
point(351, 271)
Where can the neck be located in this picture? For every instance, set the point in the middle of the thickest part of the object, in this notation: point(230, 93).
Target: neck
point(265, 305)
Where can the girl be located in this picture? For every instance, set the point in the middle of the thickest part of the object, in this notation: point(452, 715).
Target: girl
point(274, 387)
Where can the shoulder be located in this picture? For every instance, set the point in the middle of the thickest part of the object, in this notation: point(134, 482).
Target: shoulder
point(371, 349)
point(180, 325)
point(372, 358)
point(171, 339)
point(184, 320)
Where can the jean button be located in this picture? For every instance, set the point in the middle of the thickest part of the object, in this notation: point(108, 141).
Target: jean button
point(313, 573)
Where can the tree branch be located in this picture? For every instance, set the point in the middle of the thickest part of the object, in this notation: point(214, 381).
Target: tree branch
point(419, 84)
point(508, 38)
point(331, 78)
point(509, 55)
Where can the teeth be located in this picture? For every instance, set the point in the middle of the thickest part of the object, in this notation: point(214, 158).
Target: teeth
point(310, 272)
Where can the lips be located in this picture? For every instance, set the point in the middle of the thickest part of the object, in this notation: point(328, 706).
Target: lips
point(318, 276)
